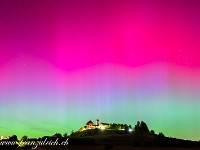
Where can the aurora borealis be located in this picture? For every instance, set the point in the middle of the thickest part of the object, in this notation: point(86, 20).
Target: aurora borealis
point(64, 62)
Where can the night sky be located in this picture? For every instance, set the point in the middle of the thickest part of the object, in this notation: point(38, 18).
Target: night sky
point(64, 62)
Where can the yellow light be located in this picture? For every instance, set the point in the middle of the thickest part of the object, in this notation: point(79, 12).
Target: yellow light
point(102, 127)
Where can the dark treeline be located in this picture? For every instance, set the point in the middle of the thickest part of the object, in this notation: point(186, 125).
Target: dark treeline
point(115, 134)
point(139, 136)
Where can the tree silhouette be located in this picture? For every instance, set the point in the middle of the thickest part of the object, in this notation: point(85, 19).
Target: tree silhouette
point(57, 135)
point(144, 127)
point(137, 128)
point(152, 132)
point(141, 127)
point(126, 129)
point(13, 138)
point(161, 135)
point(72, 133)
point(65, 135)
point(130, 127)
point(138, 124)
point(24, 138)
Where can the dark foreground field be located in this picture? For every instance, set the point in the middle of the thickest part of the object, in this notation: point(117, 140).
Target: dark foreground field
point(112, 140)
point(107, 148)
point(97, 147)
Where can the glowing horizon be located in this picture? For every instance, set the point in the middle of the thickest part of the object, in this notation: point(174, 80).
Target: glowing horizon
point(63, 63)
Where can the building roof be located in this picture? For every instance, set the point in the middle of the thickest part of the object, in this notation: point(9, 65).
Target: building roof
point(105, 123)
point(89, 122)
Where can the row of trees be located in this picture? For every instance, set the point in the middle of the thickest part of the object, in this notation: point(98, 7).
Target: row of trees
point(25, 138)
point(140, 128)
point(115, 126)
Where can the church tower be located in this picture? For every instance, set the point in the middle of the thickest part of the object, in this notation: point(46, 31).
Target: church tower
point(97, 122)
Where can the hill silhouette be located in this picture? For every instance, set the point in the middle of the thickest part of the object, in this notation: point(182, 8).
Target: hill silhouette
point(140, 136)
point(115, 136)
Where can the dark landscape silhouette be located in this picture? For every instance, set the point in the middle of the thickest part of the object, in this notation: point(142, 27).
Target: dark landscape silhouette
point(106, 136)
